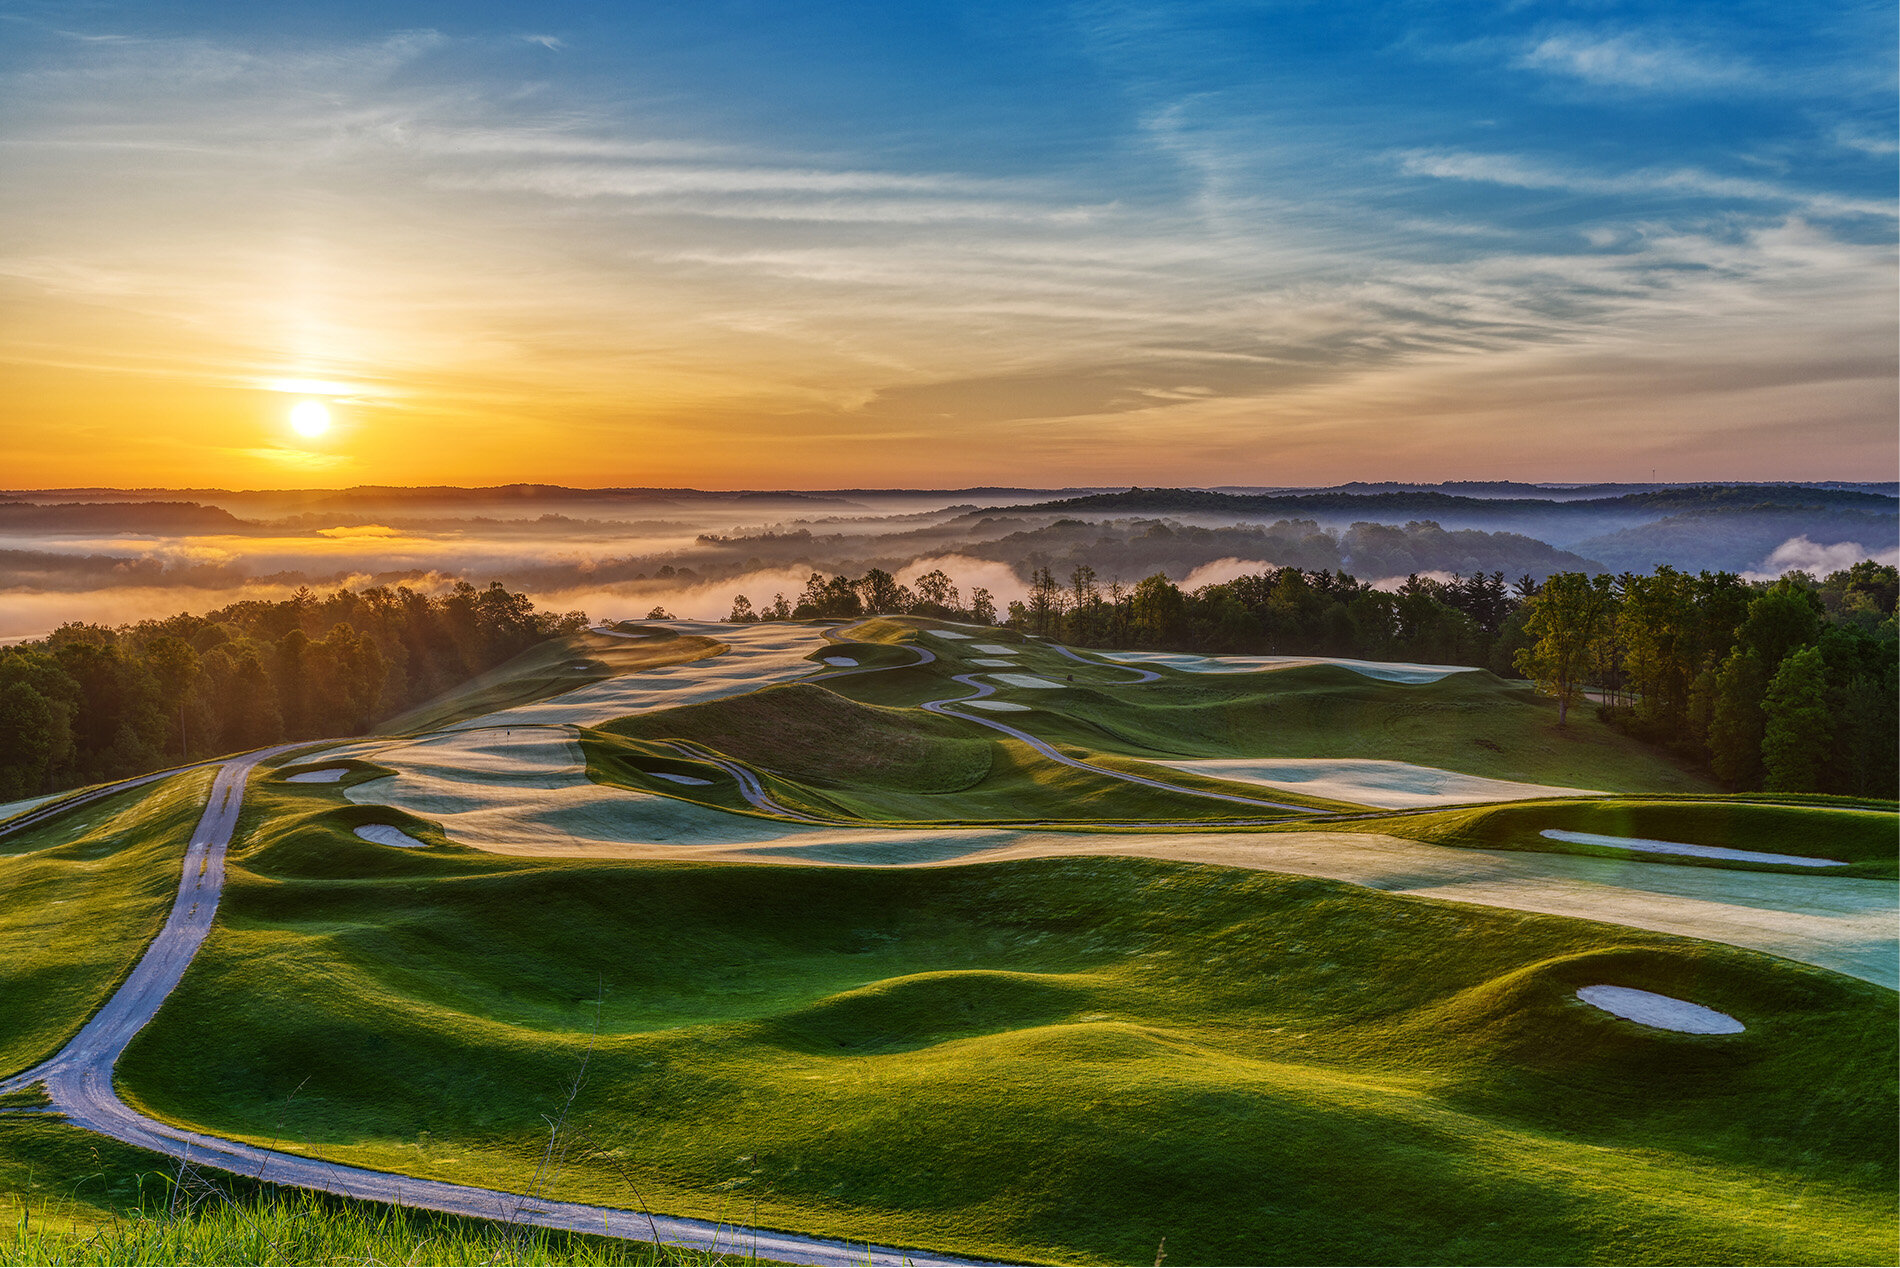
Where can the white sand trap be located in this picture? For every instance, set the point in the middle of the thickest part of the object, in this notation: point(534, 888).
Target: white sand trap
point(996, 649)
point(1647, 846)
point(949, 634)
point(1661, 1011)
point(843, 662)
point(1027, 680)
point(668, 775)
point(994, 706)
point(991, 662)
point(756, 656)
point(1387, 671)
point(1371, 782)
point(389, 834)
point(329, 776)
point(526, 791)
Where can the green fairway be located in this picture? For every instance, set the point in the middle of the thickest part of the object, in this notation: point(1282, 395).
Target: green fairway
point(85, 892)
point(1054, 1059)
point(1474, 723)
point(1868, 840)
point(548, 669)
point(824, 754)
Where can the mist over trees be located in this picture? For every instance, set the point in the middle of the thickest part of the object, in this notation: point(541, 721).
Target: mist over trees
point(93, 702)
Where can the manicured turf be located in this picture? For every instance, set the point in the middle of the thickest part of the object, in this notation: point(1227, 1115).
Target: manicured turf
point(824, 754)
point(1867, 839)
point(548, 669)
point(1475, 723)
point(1059, 1059)
point(80, 897)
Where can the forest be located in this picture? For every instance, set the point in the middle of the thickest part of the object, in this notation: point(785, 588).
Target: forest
point(92, 702)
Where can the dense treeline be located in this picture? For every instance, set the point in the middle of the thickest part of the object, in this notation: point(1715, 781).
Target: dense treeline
point(91, 702)
point(1792, 685)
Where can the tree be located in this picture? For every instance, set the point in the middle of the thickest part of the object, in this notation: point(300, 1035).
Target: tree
point(1736, 724)
point(659, 614)
point(936, 592)
point(1797, 732)
point(1157, 610)
point(29, 725)
point(742, 613)
point(1567, 617)
point(1045, 602)
point(982, 606)
point(879, 592)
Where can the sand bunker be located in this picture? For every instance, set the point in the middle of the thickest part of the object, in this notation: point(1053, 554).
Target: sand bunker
point(996, 649)
point(693, 780)
point(756, 656)
point(991, 662)
point(388, 834)
point(526, 791)
point(1647, 846)
point(843, 662)
point(949, 634)
point(1388, 671)
point(994, 706)
point(329, 776)
point(1661, 1011)
point(1027, 680)
point(1371, 782)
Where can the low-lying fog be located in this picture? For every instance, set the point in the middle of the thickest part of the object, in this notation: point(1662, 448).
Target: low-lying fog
point(113, 556)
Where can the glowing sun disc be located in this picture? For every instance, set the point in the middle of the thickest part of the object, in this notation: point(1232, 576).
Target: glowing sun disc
point(309, 418)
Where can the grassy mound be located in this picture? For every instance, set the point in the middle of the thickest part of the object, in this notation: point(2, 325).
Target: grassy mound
point(84, 892)
point(548, 669)
point(810, 734)
point(1475, 723)
point(823, 753)
point(1052, 1059)
point(1868, 839)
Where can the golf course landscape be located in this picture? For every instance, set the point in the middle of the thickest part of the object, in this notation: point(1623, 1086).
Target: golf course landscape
point(905, 940)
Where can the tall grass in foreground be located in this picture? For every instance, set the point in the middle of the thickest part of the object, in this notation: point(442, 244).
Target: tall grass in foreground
point(290, 1226)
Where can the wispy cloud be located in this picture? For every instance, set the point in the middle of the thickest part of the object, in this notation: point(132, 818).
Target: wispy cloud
point(1635, 59)
point(1687, 182)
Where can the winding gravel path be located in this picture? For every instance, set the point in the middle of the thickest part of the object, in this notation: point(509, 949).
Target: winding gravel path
point(78, 1082)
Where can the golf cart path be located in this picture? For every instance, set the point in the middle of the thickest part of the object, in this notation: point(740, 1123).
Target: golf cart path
point(78, 1082)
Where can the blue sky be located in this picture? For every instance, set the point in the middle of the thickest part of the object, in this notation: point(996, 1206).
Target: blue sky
point(1145, 242)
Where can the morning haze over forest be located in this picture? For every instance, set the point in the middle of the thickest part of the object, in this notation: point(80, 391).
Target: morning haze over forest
point(949, 633)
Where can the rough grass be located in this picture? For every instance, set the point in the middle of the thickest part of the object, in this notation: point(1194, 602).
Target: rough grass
point(81, 896)
point(1055, 1059)
point(824, 754)
point(1867, 839)
point(1476, 723)
point(1471, 722)
point(68, 1197)
point(807, 733)
point(548, 669)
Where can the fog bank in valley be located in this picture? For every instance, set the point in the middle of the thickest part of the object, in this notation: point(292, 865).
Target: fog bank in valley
point(116, 556)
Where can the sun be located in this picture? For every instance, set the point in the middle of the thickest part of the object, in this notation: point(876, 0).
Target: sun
point(310, 418)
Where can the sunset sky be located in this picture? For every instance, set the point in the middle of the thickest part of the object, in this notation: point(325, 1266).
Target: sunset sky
point(913, 244)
